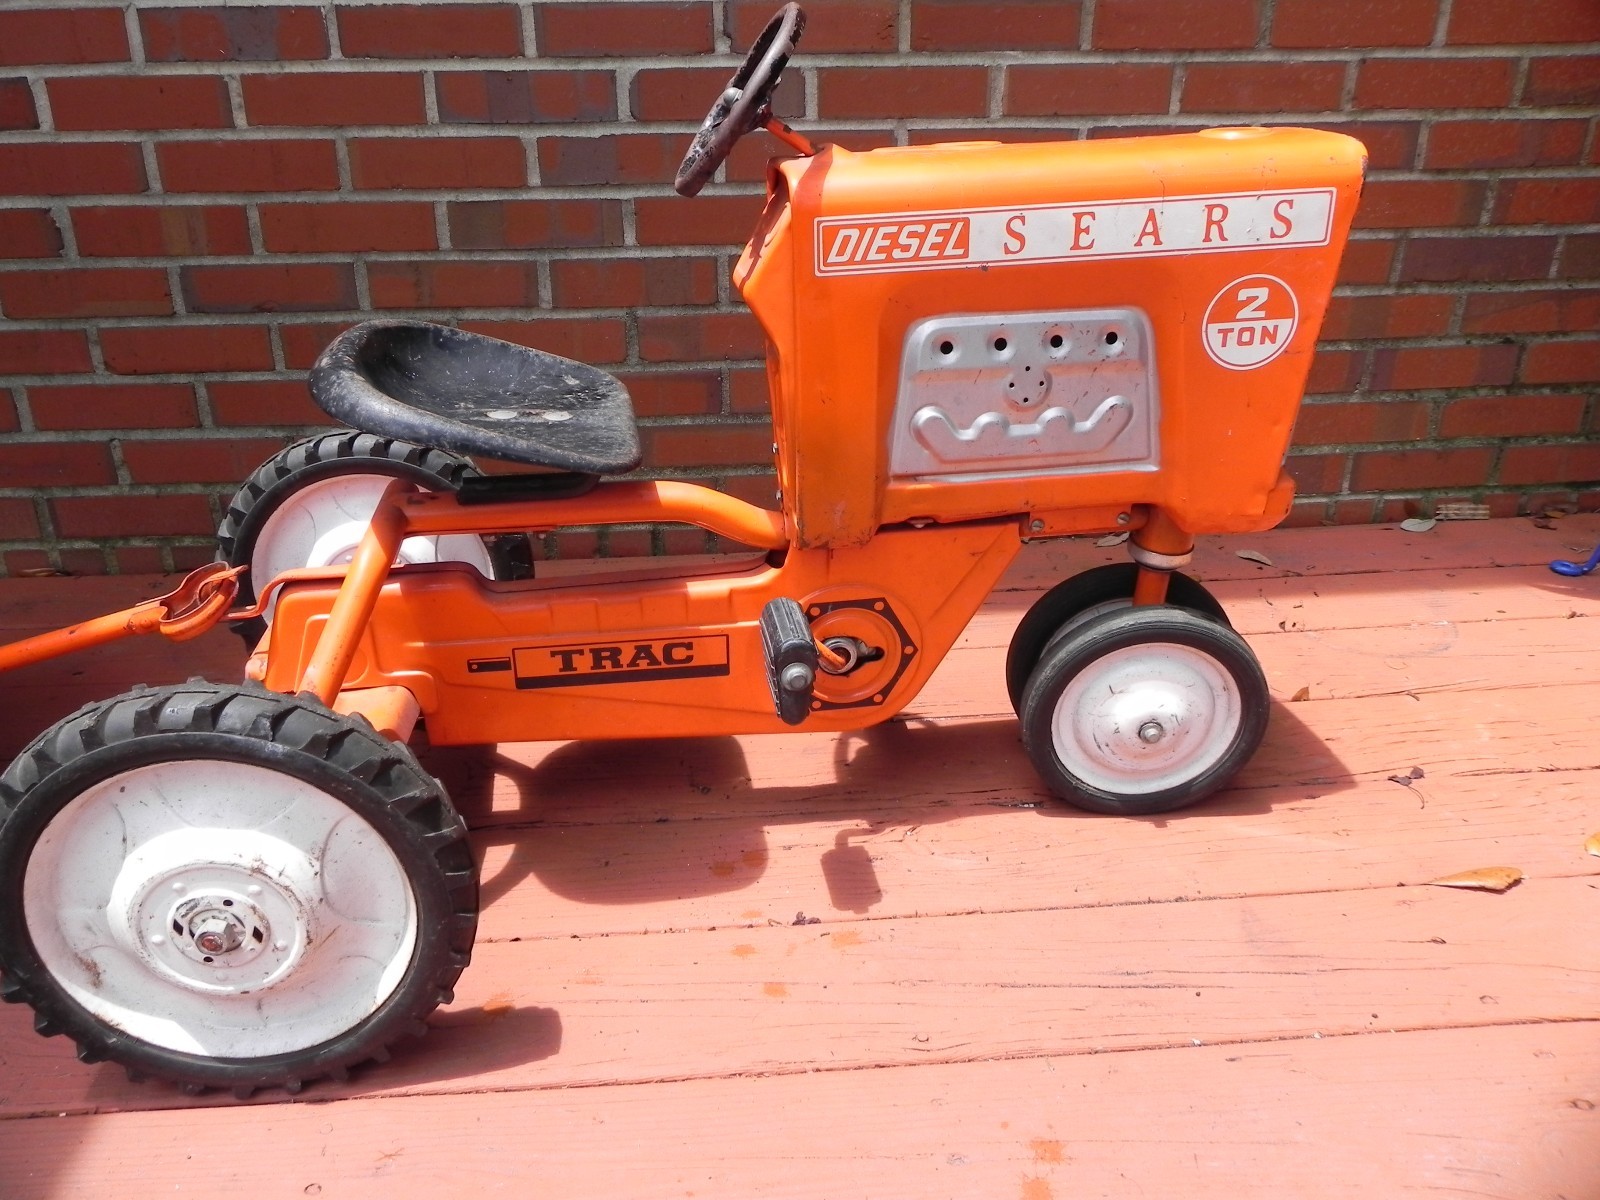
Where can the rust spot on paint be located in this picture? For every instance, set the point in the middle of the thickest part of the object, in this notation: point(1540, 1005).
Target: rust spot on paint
point(751, 914)
point(754, 859)
point(497, 1005)
point(1034, 1188)
point(1046, 1150)
point(846, 937)
point(743, 950)
point(775, 989)
point(722, 869)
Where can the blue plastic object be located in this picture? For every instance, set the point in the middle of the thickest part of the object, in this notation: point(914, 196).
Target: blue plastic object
point(1562, 566)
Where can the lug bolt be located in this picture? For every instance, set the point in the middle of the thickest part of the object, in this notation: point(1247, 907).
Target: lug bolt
point(1150, 733)
point(216, 933)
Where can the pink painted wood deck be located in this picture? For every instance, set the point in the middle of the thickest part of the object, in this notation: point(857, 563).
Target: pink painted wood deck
point(1004, 997)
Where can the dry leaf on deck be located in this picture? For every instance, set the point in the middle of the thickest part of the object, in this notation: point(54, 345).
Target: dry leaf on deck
point(1112, 539)
point(1303, 694)
point(1484, 879)
point(1418, 524)
point(1593, 844)
point(1255, 556)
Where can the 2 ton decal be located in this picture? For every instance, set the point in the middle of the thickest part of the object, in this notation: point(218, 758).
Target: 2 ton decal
point(1065, 232)
point(1250, 321)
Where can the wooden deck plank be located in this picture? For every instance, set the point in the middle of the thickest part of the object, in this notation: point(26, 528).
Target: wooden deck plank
point(1436, 1115)
point(911, 767)
point(1018, 936)
point(1334, 663)
point(1342, 550)
point(1282, 602)
point(648, 878)
point(899, 991)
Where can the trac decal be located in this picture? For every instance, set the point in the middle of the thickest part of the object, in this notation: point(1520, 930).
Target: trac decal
point(1250, 322)
point(627, 661)
point(1067, 232)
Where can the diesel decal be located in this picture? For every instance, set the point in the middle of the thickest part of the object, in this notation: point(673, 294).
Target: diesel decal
point(864, 243)
point(592, 663)
point(1149, 227)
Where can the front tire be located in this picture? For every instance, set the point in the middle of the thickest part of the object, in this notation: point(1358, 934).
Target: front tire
point(1088, 594)
point(1144, 710)
point(223, 886)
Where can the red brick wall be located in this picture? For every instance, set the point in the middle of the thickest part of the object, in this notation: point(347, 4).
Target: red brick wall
point(193, 197)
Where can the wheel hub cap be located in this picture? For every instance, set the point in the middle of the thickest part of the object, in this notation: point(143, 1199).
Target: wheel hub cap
point(1146, 718)
point(221, 922)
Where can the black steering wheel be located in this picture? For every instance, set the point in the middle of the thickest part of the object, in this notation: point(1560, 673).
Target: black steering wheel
point(745, 104)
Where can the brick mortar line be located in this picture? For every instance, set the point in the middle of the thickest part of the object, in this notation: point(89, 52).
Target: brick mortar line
point(1472, 442)
point(1421, 287)
point(330, 26)
point(169, 378)
point(1066, 122)
point(653, 252)
point(224, 488)
point(1441, 27)
point(1266, 18)
point(277, 432)
point(761, 419)
point(1439, 398)
point(1472, 391)
point(804, 60)
point(599, 192)
point(201, 321)
point(529, 28)
point(842, 122)
point(136, 51)
point(552, 192)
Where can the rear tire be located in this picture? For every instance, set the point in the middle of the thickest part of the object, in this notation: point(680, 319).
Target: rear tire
point(308, 504)
point(223, 886)
point(1075, 600)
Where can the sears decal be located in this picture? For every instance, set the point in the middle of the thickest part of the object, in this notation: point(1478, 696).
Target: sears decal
point(1067, 232)
point(583, 664)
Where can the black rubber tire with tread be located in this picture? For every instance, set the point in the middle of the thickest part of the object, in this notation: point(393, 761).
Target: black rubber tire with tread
point(1132, 627)
point(1070, 597)
point(379, 780)
point(342, 452)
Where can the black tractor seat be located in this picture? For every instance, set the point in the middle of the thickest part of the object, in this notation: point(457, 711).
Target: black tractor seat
point(472, 394)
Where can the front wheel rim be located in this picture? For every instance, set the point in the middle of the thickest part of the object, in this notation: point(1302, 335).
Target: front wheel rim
point(1146, 719)
point(219, 908)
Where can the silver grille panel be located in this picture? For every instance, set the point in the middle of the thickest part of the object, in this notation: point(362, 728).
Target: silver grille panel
point(1069, 392)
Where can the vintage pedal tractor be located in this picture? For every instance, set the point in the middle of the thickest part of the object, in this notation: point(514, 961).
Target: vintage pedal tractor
point(970, 345)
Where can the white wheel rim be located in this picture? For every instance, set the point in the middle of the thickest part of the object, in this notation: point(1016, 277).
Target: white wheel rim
point(308, 916)
point(321, 524)
point(1146, 718)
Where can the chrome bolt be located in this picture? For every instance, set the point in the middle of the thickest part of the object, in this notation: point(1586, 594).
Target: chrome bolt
point(1036, 526)
point(217, 932)
point(1124, 518)
point(1150, 733)
point(796, 677)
